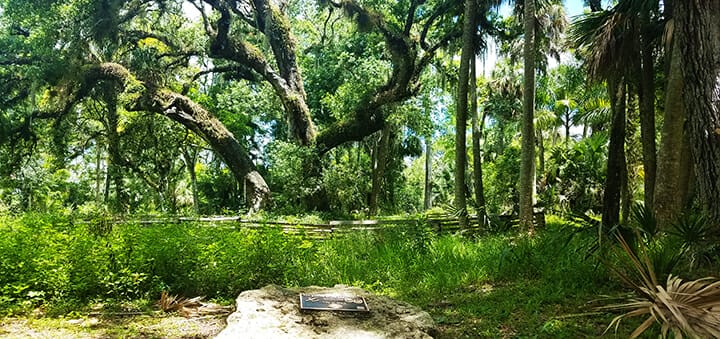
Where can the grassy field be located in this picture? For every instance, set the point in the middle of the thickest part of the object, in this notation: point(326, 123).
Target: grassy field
point(54, 272)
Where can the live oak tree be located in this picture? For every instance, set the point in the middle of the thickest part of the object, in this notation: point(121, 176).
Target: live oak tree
point(235, 33)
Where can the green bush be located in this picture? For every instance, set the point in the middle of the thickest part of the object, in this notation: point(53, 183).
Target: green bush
point(48, 258)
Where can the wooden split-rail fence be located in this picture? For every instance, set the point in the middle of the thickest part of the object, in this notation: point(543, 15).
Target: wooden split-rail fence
point(437, 223)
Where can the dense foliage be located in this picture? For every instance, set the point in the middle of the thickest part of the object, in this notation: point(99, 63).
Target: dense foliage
point(352, 109)
point(176, 107)
point(56, 263)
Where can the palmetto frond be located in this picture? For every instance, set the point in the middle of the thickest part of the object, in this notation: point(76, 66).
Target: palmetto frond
point(593, 111)
point(608, 40)
point(545, 119)
point(189, 307)
point(681, 307)
point(551, 23)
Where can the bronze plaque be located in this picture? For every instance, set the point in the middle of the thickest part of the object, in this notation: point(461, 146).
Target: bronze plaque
point(329, 302)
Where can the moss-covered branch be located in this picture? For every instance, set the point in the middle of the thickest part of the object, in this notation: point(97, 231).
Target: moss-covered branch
point(287, 83)
point(183, 110)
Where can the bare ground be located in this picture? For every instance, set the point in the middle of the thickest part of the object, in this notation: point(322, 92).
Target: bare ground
point(136, 326)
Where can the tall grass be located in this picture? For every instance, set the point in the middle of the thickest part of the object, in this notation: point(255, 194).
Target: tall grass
point(47, 258)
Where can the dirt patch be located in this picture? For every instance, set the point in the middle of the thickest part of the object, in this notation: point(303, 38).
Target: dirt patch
point(140, 326)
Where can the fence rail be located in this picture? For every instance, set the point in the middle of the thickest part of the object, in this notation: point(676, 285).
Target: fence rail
point(438, 223)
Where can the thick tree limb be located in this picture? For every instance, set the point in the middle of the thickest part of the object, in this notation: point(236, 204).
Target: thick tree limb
point(369, 118)
point(411, 16)
point(441, 9)
point(18, 30)
point(194, 117)
point(288, 82)
point(366, 119)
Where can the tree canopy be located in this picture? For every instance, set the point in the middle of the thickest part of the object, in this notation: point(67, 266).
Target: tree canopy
point(209, 105)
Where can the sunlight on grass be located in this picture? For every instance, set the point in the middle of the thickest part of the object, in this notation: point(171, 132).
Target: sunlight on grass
point(496, 285)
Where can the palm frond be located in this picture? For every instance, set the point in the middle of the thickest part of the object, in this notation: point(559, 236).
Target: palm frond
point(681, 307)
point(608, 39)
point(644, 220)
point(189, 307)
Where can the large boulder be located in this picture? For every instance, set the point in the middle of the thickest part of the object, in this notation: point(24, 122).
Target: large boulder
point(274, 312)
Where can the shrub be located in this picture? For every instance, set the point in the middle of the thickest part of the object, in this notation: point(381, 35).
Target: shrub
point(691, 308)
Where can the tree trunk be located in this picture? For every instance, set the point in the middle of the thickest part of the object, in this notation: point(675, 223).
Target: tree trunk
point(190, 157)
point(477, 130)
point(699, 39)
point(527, 176)
point(191, 115)
point(428, 173)
point(541, 157)
point(646, 97)
point(669, 195)
point(616, 153)
point(106, 189)
point(98, 171)
point(568, 125)
point(626, 185)
point(378, 171)
point(468, 51)
point(115, 166)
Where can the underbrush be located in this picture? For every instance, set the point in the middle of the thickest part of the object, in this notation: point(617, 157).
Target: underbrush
point(494, 285)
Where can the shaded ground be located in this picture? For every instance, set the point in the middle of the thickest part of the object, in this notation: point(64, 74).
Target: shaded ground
point(521, 309)
point(137, 326)
point(507, 310)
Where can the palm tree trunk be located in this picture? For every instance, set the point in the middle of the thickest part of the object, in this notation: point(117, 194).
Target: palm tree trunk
point(699, 39)
point(527, 176)
point(646, 97)
point(428, 173)
point(477, 130)
point(616, 153)
point(630, 131)
point(468, 51)
point(568, 125)
point(541, 155)
point(668, 199)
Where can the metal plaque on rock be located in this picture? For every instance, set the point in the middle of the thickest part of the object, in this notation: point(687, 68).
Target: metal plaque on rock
point(330, 302)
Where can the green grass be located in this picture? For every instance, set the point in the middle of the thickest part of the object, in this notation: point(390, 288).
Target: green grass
point(493, 286)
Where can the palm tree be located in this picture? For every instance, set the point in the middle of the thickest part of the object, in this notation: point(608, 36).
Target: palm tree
point(673, 162)
point(543, 25)
point(468, 51)
point(608, 44)
point(478, 123)
point(527, 162)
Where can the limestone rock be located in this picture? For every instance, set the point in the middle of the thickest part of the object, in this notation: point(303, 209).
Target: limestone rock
point(274, 312)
